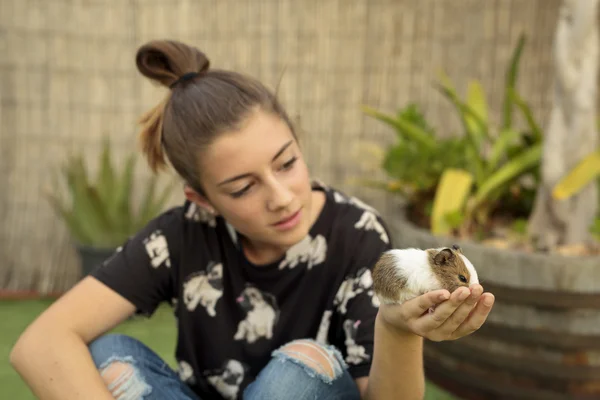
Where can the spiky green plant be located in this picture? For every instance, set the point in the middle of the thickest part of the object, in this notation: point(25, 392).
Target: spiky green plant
point(101, 212)
point(463, 180)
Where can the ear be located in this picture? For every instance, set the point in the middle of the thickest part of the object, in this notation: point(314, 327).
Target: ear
point(444, 257)
point(198, 199)
point(456, 248)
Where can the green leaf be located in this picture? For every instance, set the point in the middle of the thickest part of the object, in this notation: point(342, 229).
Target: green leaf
point(122, 212)
point(406, 163)
point(105, 181)
point(509, 171)
point(412, 114)
point(476, 164)
point(88, 207)
point(585, 172)
point(145, 213)
point(533, 126)
point(160, 202)
point(73, 224)
point(405, 128)
point(519, 226)
point(151, 204)
point(450, 197)
point(455, 219)
point(511, 82)
point(465, 114)
point(446, 87)
point(500, 147)
point(477, 119)
point(101, 213)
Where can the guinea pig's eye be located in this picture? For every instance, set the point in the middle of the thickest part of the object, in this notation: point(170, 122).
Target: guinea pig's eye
point(462, 278)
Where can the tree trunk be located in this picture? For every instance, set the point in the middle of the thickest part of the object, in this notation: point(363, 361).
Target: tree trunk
point(571, 132)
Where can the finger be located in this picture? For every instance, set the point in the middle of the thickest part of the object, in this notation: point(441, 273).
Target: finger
point(414, 308)
point(477, 317)
point(443, 311)
point(459, 316)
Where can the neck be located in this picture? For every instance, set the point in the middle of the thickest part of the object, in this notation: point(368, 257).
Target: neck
point(262, 253)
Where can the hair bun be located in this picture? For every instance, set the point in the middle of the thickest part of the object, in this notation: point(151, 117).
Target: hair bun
point(166, 61)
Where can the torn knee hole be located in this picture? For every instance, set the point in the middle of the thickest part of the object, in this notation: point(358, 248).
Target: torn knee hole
point(116, 373)
point(123, 381)
point(313, 356)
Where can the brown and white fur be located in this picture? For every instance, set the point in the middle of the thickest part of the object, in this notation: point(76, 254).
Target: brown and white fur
point(402, 274)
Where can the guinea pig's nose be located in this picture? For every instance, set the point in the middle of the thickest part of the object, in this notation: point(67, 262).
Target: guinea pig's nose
point(455, 247)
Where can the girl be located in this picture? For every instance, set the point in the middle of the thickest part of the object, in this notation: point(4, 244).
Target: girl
point(267, 270)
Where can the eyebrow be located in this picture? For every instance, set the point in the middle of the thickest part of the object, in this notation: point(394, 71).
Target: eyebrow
point(235, 178)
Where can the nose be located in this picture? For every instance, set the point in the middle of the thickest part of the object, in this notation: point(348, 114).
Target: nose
point(280, 196)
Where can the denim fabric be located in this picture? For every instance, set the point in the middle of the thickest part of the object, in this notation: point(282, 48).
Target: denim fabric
point(152, 378)
point(284, 377)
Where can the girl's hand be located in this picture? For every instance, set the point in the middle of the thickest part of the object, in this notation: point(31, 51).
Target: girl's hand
point(456, 315)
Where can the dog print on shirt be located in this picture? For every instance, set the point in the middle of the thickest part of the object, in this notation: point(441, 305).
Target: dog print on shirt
point(262, 314)
point(309, 250)
point(227, 380)
point(323, 332)
point(340, 198)
point(352, 287)
point(185, 372)
point(199, 214)
point(204, 288)
point(355, 353)
point(369, 222)
point(157, 249)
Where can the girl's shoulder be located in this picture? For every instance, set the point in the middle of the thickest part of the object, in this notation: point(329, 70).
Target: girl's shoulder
point(349, 216)
point(187, 224)
point(341, 205)
point(189, 214)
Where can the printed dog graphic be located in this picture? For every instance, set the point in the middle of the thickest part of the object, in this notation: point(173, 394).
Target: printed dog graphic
point(261, 315)
point(351, 287)
point(312, 251)
point(229, 378)
point(355, 353)
point(205, 287)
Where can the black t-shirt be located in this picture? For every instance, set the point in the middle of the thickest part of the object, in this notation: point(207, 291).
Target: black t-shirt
point(232, 314)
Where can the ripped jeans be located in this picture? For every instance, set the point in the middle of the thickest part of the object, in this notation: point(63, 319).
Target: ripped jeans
point(299, 370)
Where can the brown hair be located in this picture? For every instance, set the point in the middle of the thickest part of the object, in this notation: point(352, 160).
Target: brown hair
point(202, 104)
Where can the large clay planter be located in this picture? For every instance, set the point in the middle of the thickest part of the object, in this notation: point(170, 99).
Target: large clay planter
point(542, 339)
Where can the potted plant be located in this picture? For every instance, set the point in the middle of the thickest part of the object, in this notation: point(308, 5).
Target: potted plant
point(462, 184)
point(481, 190)
point(101, 213)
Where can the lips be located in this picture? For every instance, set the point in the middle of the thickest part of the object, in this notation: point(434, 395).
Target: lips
point(286, 219)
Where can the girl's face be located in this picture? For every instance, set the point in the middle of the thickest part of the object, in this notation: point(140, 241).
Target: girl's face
point(258, 181)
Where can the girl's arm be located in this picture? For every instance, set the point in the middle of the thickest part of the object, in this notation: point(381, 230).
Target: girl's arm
point(397, 368)
point(52, 356)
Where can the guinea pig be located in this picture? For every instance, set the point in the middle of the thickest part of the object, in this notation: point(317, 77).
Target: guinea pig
point(402, 274)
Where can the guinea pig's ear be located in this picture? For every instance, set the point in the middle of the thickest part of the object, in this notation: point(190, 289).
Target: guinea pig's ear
point(444, 257)
point(457, 248)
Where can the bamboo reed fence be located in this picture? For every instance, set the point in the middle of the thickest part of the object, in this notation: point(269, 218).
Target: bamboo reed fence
point(68, 77)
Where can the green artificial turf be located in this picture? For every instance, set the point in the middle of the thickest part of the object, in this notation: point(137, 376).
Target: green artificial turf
point(158, 333)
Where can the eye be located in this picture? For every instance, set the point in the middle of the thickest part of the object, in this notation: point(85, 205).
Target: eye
point(240, 192)
point(462, 278)
point(289, 164)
